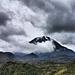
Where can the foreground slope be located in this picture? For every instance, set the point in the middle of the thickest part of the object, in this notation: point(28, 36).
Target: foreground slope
point(46, 68)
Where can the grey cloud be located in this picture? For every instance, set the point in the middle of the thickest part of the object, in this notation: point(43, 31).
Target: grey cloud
point(61, 16)
point(6, 32)
point(47, 5)
point(61, 22)
point(3, 18)
point(38, 3)
point(62, 19)
point(59, 6)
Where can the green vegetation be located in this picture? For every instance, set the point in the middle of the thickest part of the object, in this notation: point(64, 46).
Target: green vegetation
point(37, 69)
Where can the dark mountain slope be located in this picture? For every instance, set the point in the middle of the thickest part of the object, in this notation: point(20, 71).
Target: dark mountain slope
point(6, 56)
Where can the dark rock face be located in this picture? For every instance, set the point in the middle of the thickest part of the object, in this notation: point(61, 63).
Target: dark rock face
point(57, 45)
point(40, 40)
point(60, 48)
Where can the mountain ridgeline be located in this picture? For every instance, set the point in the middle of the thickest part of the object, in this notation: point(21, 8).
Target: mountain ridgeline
point(60, 54)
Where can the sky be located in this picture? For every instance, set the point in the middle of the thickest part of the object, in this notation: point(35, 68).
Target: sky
point(23, 20)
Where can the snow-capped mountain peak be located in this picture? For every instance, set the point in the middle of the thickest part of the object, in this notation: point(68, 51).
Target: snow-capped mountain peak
point(42, 44)
point(44, 40)
point(40, 40)
point(48, 42)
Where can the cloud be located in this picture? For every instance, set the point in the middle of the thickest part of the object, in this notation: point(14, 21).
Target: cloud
point(3, 18)
point(62, 19)
point(20, 28)
point(31, 3)
point(60, 14)
point(64, 38)
point(61, 22)
point(39, 5)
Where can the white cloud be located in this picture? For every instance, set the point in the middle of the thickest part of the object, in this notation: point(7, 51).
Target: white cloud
point(20, 28)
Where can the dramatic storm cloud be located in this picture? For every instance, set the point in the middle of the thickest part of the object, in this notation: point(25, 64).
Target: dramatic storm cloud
point(22, 20)
point(61, 14)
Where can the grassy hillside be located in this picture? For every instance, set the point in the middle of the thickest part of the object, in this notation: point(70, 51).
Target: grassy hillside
point(37, 69)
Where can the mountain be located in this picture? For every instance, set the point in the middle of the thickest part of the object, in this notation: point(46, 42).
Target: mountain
point(31, 55)
point(6, 57)
point(22, 57)
point(60, 54)
point(39, 40)
point(19, 54)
